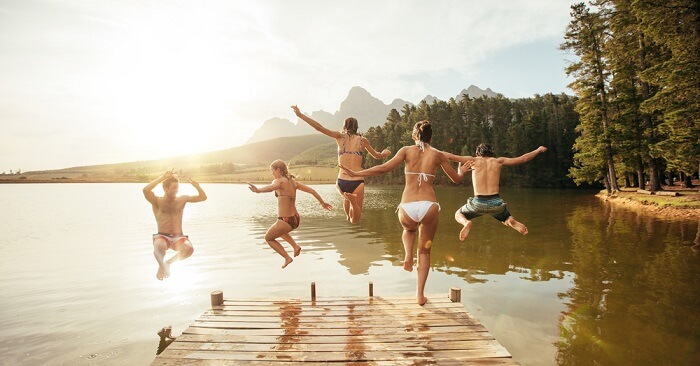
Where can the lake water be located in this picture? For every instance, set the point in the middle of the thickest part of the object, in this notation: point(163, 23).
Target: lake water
point(590, 283)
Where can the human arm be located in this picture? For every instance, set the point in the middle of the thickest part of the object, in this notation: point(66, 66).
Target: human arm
point(379, 169)
point(522, 159)
point(201, 197)
point(268, 188)
point(373, 152)
point(455, 176)
point(317, 126)
point(458, 158)
point(304, 188)
point(148, 189)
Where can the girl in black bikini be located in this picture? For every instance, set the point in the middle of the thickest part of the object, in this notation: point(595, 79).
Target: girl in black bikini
point(351, 146)
point(285, 187)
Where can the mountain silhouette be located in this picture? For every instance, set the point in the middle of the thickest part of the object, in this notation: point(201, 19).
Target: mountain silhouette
point(369, 111)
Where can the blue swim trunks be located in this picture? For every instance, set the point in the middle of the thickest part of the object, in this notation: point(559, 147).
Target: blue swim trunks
point(485, 205)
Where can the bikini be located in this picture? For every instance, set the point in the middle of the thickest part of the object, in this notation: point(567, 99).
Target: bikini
point(349, 186)
point(293, 220)
point(418, 209)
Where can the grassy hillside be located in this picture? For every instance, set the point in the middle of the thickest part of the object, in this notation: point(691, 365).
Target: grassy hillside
point(223, 165)
point(321, 155)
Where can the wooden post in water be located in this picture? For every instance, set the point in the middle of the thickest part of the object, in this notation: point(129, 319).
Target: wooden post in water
point(217, 298)
point(455, 294)
point(313, 291)
point(371, 289)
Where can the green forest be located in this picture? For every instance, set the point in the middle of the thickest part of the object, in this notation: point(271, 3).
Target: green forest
point(635, 119)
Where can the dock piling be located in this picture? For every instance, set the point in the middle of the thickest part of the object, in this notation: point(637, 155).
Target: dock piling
point(217, 298)
point(455, 294)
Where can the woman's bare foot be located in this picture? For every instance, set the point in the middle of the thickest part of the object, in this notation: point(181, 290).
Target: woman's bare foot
point(297, 250)
point(287, 261)
point(465, 231)
point(408, 264)
point(421, 300)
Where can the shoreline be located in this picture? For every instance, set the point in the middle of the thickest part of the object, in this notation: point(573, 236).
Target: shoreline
point(685, 206)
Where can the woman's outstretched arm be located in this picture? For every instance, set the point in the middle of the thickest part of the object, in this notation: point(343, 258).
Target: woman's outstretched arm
point(317, 126)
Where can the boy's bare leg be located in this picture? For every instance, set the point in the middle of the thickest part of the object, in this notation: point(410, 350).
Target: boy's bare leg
point(519, 227)
point(467, 225)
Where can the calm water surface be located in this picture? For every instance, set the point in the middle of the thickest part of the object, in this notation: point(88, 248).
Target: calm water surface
point(590, 284)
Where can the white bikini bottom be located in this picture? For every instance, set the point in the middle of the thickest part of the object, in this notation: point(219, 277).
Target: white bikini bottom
point(417, 210)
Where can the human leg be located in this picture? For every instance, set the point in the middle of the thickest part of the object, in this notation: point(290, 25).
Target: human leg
point(160, 246)
point(275, 231)
point(356, 198)
point(346, 203)
point(408, 237)
point(288, 238)
point(466, 225)
point(428, 227)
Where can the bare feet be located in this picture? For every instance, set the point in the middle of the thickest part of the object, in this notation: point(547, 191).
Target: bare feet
point(297, 250)
point(516, 225)
point(465, 231)
point(287, 261)
point(421, 300)
point(163, 271)
point(408, 265)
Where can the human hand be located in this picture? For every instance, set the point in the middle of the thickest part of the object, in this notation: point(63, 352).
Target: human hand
point(192, 182)
point(168, 173)
point(541, 149)
point(253, 188)
point(386, 152)
point(327, 206)
point(348, 171)
point(465, 167)
point(297, 111)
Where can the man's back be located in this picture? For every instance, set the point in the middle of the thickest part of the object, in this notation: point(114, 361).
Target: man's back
point(486, 175)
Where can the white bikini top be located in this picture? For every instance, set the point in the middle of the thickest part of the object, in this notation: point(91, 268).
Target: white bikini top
point(422, 177)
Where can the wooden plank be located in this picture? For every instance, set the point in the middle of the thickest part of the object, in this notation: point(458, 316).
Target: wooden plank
point(476, 334)
point(340, 311)
point(415, 346)
point(295, 324)
point(351, 354)
point(412, 362)
point(334, 332)
point(365, 316)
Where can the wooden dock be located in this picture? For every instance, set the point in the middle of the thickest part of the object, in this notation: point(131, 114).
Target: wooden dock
point(352, 330)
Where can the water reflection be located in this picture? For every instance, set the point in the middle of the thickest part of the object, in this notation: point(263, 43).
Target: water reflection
point(636, 291)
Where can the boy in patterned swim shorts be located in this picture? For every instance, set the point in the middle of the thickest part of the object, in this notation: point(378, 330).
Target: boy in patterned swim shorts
point(486, 175)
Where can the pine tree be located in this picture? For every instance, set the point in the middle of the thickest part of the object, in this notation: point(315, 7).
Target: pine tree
point(586, 36)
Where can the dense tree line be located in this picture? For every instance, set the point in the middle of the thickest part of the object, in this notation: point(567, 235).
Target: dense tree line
point(512, 127)
point(637, 79)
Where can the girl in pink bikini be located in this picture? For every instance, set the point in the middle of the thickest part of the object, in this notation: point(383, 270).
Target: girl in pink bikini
point(418, 210)
point(285, 187)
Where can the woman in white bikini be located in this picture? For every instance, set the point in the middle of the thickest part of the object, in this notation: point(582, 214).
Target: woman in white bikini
point(285, 188)
point(419, 209)
point(351, 146)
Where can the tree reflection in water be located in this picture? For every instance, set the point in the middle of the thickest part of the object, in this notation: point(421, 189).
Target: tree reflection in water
point(636, 294)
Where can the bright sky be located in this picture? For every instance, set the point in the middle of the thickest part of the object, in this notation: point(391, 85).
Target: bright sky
point(86, 82)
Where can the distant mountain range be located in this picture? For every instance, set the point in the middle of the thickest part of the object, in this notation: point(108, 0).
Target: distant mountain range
point(369, 111)
point(279, 138)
